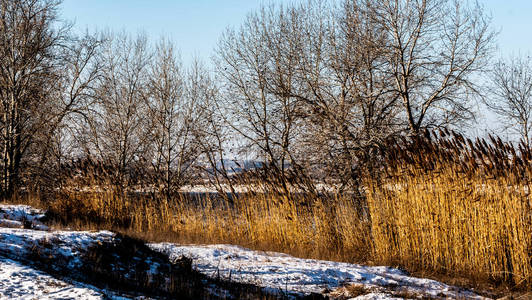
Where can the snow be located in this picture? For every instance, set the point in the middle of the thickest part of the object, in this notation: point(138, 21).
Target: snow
point(376, 296)
point(20, 216)
point(275, 272)
point(18, 243)
point(21, 282)
point(18, 281)
point(296, 276)
point(243, 188)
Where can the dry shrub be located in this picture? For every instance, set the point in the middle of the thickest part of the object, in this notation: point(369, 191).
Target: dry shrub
point(266, 217)
point(323, 229)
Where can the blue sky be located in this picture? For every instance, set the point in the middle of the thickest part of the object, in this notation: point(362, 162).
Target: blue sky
point(195, 25)
point(513, 18)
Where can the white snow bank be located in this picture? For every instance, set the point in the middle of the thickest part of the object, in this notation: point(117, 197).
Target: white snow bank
point(21, 282)
point(376, 296)
point(295, 276)
point(20, 216)
point(18, 243)
point(18, 281)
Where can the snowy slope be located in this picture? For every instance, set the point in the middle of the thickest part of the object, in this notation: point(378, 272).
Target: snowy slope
point(19, 243)
point(20, 216)
point(21, 282)
point(275, 272)
point(295, 276)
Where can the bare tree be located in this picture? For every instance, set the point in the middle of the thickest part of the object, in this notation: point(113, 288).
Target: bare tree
point(116, 123)
point(310, 85)
point(173, 109)
point(512, 94)
point(74, 92)
point(213, 136)
point(258, 64)
point(438, 47)
point(29, 40)
point(345, 85)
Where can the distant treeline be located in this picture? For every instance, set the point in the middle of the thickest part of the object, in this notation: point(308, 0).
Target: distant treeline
point(312, 91)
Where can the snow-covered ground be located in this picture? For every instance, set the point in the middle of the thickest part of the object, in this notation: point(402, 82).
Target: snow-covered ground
point(21, 216)
point(24, 234)
point(22, 282)
point(243, 188)
point(293, 276)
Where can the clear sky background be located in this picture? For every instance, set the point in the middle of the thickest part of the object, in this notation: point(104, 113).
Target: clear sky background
point(196, 25)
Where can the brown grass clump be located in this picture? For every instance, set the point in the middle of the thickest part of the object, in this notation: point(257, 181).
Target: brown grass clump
point(319, 228)
point(452, 205)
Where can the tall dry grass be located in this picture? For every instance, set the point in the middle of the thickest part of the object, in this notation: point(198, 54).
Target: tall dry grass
point(454, 205)
point(444, 204)
point(318, 228)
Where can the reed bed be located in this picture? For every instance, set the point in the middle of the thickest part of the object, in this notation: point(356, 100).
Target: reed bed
point(455, 206)
point(324, 229)
point(437, 203)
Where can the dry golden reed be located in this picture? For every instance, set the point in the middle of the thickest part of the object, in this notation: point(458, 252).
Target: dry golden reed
point(455, 206)
point(328, 229)
point(444, 204)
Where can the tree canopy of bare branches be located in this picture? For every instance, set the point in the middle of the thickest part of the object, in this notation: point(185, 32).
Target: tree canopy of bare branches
point(174, 100)
point(511, 96)
point(311, 89)
point(116, 124)
point(30, 39)
point(437, 47)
